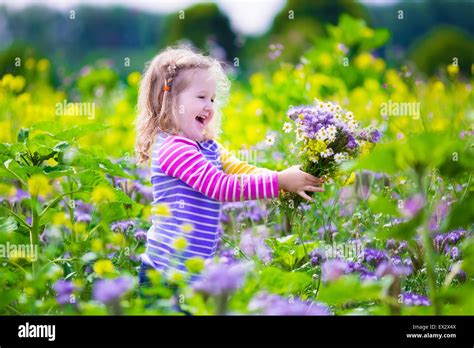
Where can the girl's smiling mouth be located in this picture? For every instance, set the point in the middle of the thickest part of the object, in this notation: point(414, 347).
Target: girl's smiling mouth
point(203, 120)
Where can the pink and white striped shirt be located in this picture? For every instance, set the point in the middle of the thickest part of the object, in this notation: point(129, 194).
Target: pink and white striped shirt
point(190, 178)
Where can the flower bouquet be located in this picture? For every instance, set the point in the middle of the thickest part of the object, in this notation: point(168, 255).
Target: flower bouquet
point(326, 137)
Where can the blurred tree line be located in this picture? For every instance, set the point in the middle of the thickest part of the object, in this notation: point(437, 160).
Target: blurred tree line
point(431, 33)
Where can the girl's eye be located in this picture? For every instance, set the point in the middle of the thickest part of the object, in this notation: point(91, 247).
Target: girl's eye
point(201, 97)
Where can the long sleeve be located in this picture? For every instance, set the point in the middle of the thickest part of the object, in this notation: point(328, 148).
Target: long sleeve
point(180, 157)
point(232, 165)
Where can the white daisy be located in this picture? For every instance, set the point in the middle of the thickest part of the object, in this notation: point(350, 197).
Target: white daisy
point(287, 127)
point(341, 157)
point(270, 140)
point(326, 153)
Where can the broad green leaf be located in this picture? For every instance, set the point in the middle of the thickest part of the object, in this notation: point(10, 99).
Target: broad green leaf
point(80, 131)
point(281, 282)
point(461, 215)
point(8, 224)
point(112, 211)
point(379, 204)
point(58, 171)
point(350, 288)
point(402, 231)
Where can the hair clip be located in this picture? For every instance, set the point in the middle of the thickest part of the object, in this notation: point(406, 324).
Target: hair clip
point(166, 88)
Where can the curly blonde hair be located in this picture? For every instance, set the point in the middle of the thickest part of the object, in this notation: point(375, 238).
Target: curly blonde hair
point(164, 78)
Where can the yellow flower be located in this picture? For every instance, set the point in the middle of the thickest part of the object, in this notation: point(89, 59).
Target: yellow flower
point(365, 148)
point(103, 267)
point(379, 65)
point(43, 65)
point(51, 162)
point(61, 219)
point(24, 98)
point(452, 69)
point(314, 148)
point(176, 277)
point(438, 86)
point(180, 243)
point(30, 291)
point(350, 179)
point(18, 83)
point(80, 227)
point(326, 60)
point(133, 78)
point(97, 245)
point(30, 63)
point(364, 60)
point(187, 228)
point(102, 194)
point(161, 210)
point(7, 190)
point(7, 80)
point(118, 239)
point(195, 264)
point(38, 184)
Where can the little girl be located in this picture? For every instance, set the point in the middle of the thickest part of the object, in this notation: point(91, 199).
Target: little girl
point(192, 174)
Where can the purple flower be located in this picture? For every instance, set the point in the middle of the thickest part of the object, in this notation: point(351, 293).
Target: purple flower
point(333, 269)
point(391, 244)
point(219, 279)
point(122, 226)
point(374, 256)
point(329, 229)
point(270, 304)
point(411, 299)
point(252, 244)
point(375, 136)
point(454, 253)
point(413, 205)
point(388, 268)
point(140, 236)
point(111, 290)
point(64, 289)
point(316, 257)
point(228, 256)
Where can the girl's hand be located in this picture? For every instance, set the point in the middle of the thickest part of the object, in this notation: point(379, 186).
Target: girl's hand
point(295, 180)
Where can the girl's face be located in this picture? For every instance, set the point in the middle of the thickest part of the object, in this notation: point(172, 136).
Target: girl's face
point(196, 104)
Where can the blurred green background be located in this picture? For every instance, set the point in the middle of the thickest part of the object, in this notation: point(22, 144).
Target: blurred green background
point(429, 33)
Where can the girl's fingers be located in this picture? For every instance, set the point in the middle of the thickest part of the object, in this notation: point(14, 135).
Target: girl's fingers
point(305, 196)
point(313, 189)
point(314, 180)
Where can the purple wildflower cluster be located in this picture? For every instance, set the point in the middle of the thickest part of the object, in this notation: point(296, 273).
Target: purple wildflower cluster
point(252, 243)
point(111, 290)
point(64, 290)
point(220, 279)
point(270, 304)
point(243, 211)
point(411, 299)
point(446, 243)
point(325, 122)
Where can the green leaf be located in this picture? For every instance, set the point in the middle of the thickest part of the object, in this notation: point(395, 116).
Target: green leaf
point(350, 288)
point(80, 131)
point(112, 211)
point(50, 127)
point(379, 204)
point(381, 159)
point(467, 251)
point(58, 171)
point(8, 224)
point(16, 170)
point(461, 215)
point(280, 282)
point(402, 231)
point(90, 179)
